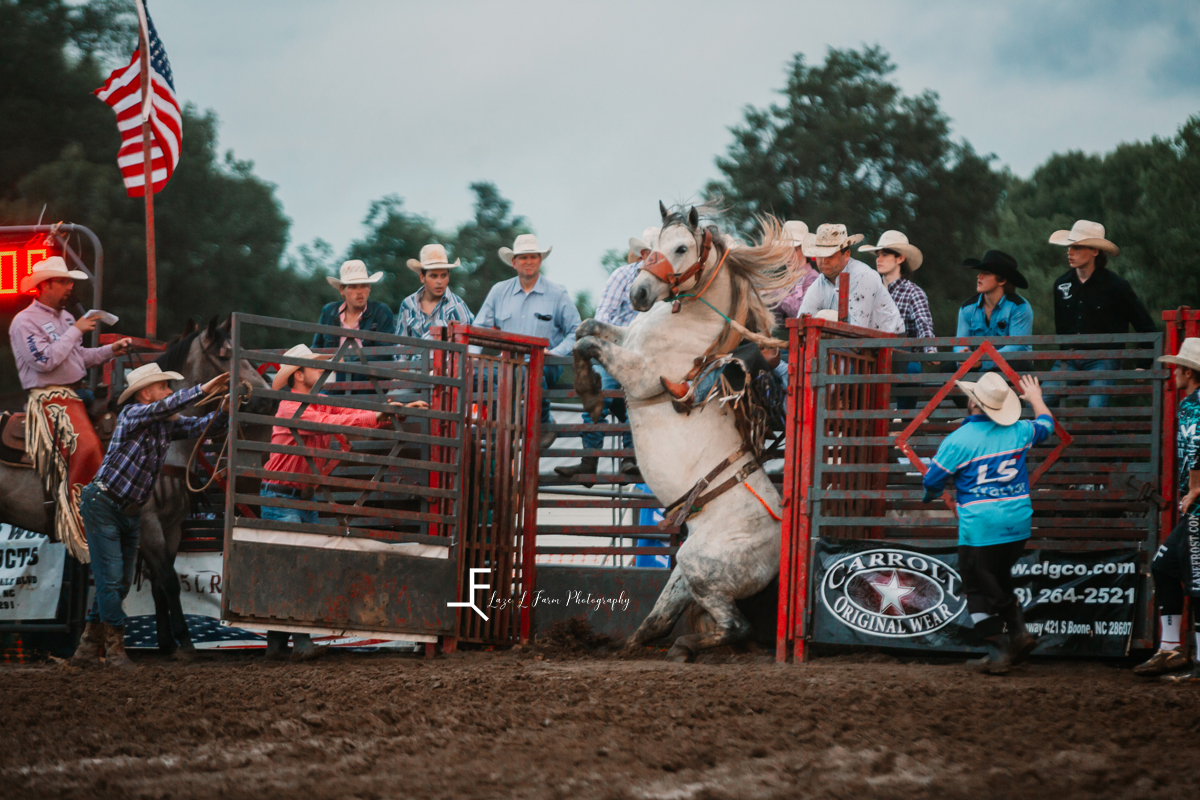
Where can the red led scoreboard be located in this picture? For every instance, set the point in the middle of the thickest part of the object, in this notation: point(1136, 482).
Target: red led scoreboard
point(17, 257)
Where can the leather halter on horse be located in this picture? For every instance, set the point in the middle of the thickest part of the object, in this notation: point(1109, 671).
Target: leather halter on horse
point(659, 266)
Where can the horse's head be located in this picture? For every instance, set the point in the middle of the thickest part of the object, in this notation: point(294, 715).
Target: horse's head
point(684, 251)
point(202, 354)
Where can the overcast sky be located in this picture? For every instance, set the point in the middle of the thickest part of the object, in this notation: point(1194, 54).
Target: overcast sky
point(586, 114)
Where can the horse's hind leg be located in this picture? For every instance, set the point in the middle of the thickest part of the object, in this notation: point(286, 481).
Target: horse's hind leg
point(667, 609)
point(179, 628)
point(731, 626)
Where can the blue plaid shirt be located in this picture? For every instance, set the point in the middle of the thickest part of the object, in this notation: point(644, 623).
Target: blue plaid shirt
point(412, 321)
point(614, 305)
point(140, 442)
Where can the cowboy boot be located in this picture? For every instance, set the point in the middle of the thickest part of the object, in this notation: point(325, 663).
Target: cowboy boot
point(586, 466)
point(999, 655)
point(1191, 676)
point(304, 649)
point(629, 466)
point(114, 648)
point(548, 438)
point(1161, 662)
point(1020, 640)
point(276, 645)
point(90, 651)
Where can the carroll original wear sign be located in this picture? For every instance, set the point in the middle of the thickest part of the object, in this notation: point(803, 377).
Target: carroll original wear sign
point(870, 593)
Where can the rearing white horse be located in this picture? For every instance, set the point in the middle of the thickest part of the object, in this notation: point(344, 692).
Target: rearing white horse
point(732, 548)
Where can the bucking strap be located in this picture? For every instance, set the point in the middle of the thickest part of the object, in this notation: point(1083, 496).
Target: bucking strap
point(677, 513)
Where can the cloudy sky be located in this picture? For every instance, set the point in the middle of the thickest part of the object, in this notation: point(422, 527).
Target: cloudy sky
point(586, 114)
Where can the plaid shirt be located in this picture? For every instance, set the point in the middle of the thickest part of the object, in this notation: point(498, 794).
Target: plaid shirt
point(140, 442)
point(412, 321)
point(614, 307)
point(914, 307)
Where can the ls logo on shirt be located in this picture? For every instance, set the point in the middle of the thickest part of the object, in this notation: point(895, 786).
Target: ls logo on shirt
point(1004, 473)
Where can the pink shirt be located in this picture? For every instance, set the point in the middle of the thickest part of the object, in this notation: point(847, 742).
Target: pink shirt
point(791, 304)
point(49, 348)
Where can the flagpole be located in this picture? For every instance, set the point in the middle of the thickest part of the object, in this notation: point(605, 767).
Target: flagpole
point(148, 188)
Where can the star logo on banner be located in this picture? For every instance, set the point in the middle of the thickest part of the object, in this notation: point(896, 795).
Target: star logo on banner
point(891, 593)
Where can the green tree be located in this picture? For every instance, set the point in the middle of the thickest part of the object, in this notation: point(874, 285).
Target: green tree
point(846, 145)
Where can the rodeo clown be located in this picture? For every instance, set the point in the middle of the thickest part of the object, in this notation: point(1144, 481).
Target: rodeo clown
point(112, 502)
point(1176, 565)
point(986, 460)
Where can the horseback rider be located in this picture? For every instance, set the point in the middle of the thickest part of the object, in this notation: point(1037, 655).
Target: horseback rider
point(47, 343)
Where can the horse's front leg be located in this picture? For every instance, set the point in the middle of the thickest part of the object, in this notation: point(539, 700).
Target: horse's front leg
point(600, 330)
point(632, 370)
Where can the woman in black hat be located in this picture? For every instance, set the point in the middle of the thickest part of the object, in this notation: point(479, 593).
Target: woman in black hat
point(997, 311)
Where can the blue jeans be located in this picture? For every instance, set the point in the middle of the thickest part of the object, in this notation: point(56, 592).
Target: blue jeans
point(906, 402)
point(302, 516)
point(594, 440)
point(1082, 365)
point(550, 376)
point(112, 539)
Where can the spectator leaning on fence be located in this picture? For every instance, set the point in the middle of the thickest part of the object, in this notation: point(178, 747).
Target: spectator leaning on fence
point(895, 261)
point(869, 304)
point(303, 381)
point(530, 305)
point(997, 311)
point(434, 304)
point(1176, 565)
point(986, 460)
point(112, 502)
point(614, 309)
point(1090, 299)
point(356, 311)
point(789, 307)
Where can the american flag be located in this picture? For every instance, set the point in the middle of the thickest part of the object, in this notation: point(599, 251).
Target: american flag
point(123, 91)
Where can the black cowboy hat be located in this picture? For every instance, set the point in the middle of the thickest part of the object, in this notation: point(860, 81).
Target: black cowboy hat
point(1001, 264)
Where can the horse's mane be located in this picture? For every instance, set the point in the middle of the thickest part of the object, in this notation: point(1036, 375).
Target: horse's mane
point(175, 356)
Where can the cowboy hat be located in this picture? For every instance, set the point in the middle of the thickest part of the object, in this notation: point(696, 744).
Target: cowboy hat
point(1189, 355)
point(525, 245)
point(353, 273)
point(994, 397)
point(895, 240)
point(433, 256)
point(46, 269)
point(285, 370)
point(830, 238)
point(1000, 264)
point(795, 231)
point(143, 376)
point(649, 240)
point(1085, 234)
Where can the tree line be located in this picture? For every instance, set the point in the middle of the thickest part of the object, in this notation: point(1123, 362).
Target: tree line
point(843, 144)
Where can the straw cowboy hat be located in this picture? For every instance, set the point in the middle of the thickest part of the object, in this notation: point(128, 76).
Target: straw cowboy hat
point(1189, 355)
point(353, 273)
point(433, 256)
point(649, 240)
point(1000, 264)
point(52, 267)
point(1085, 234)
point(143, 376)
point(795, 231)
point(830, 238)
point(285, 370)
point(895, 240)
point(525, 245)
point(994, 397)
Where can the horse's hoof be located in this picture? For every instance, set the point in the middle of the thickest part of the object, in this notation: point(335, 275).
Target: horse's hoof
point(184, 654)
point(680, 654)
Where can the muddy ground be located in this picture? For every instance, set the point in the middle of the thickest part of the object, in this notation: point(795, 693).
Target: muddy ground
point(560, 723)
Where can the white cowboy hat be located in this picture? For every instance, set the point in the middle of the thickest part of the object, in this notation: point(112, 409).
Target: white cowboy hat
point(795, 231)
point(52, 267)
point(1189, 355)
point(649, 240)
point(895, 240)
point(830, 238)
point(353, 273)
point(285, 370)
point(433, 256)
point(143, 376)
point(525, 245)
point(1085, 234)
point(994, 397)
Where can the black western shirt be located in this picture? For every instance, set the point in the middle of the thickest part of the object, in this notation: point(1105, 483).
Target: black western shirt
point(1105, 303)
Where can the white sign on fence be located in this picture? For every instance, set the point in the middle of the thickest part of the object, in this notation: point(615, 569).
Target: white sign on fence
point(31, 574)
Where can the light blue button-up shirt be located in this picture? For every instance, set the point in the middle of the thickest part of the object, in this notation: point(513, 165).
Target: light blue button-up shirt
point(1012, 316)
point(545, 311)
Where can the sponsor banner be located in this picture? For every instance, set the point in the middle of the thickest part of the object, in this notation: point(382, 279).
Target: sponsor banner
point(867, 592)
point(31, 574)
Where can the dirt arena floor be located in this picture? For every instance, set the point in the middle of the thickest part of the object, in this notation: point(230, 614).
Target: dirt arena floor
point(552, 722)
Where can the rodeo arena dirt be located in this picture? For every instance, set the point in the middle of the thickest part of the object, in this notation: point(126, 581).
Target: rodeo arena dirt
point(784, 614)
